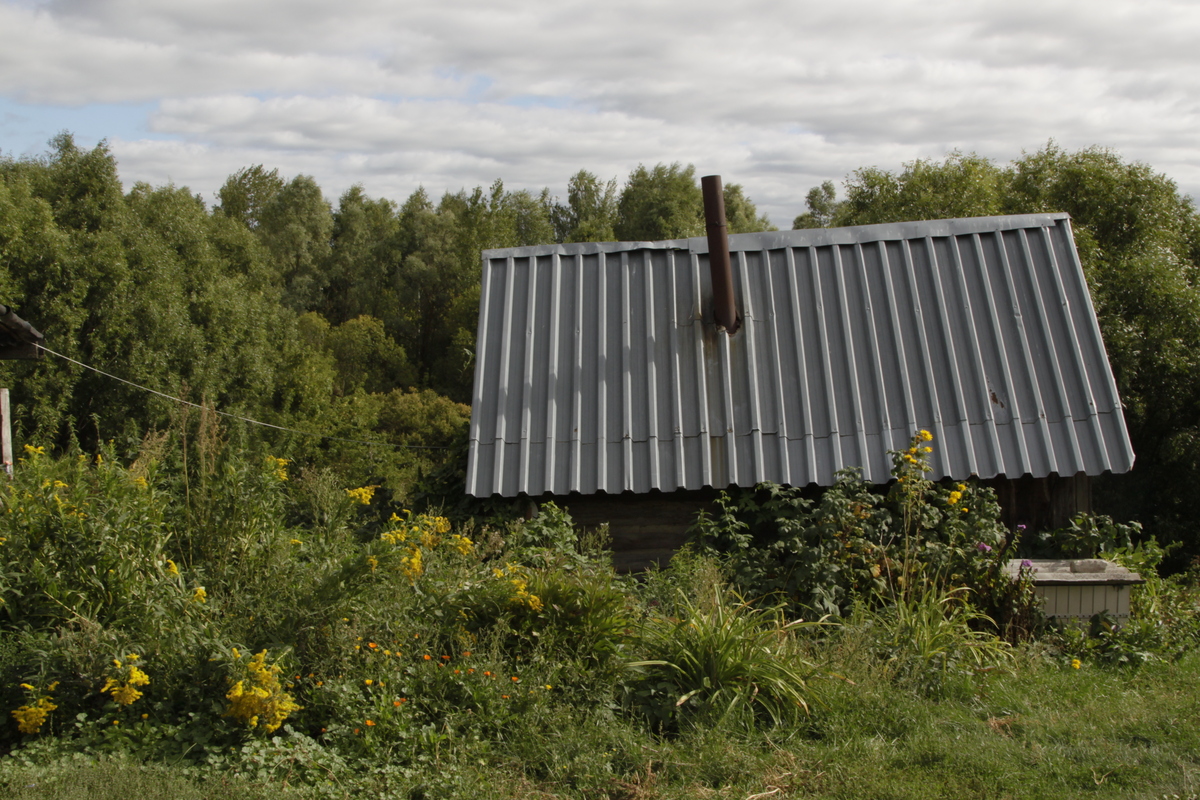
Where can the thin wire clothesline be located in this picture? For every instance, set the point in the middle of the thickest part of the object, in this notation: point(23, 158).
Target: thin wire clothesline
point(234, 416)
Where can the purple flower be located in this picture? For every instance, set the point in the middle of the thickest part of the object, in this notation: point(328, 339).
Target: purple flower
point(1026, 564)
point(983, 548)
point(1022, 527)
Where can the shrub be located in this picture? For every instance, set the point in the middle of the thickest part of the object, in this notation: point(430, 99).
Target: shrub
point(854, 544)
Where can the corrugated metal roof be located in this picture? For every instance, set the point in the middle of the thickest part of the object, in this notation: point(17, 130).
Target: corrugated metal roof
point(599, 368)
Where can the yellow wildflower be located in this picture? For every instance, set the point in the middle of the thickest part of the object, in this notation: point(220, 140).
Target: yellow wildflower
point(278, 466)
point(125, 695)
point(123, 690)
point(372, 562)
point(171, 568)
point(363, 494)
point(199, 596)
point(411, 565)
point(1076, 663)
point(31, 717)
point(925, 436)
point(34, 451)
point(259, 698)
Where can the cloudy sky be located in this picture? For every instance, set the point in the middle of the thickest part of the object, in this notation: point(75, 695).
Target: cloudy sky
point(775, 95)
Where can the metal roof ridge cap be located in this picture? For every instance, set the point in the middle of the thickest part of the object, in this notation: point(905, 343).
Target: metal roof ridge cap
point(584, 248)
point(865, 234)
point(805, 237)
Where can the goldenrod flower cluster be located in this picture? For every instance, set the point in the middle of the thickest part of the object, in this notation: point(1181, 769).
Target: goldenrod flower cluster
point(31, 716)
point(123, 685)
point(421, 532)
point(424, 528)
point(519, 580)
point(462, 544)
point(411, 565)
point(278, 467)
point(259, 699)
point(363, 494)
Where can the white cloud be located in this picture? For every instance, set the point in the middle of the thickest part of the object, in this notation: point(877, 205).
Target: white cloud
point(775, 95)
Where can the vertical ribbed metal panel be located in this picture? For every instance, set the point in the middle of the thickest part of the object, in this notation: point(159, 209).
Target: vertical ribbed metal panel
point(599, 367)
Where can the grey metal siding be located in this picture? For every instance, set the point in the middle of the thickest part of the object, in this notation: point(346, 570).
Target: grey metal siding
point(599, 367)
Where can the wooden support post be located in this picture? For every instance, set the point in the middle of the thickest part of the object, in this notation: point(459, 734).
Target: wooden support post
point(6, 449)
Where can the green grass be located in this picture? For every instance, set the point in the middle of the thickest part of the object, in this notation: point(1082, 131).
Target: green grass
point(70, 778)
point(1043, 730)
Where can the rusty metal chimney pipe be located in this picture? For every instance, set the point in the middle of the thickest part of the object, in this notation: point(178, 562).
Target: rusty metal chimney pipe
point(718, 254)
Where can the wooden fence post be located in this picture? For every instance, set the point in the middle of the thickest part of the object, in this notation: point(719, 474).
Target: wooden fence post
point(6, 433)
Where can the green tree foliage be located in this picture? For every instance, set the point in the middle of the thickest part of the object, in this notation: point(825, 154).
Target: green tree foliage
point(367, 244)
point(140, 285)
point(366, 359)
point(296, 225)
point(822, 205)
point(660, 203)
point(741, 215)
point(961, 186)
point(667, 203)
point(1137, 240)
point(590, 212)
point(247, 192)
point(433, 279)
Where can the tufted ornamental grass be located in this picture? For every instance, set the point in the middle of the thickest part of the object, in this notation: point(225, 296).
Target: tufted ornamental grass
point(929, 637)
point(719, 656)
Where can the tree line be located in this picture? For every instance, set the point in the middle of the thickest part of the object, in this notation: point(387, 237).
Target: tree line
point(358, 320)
